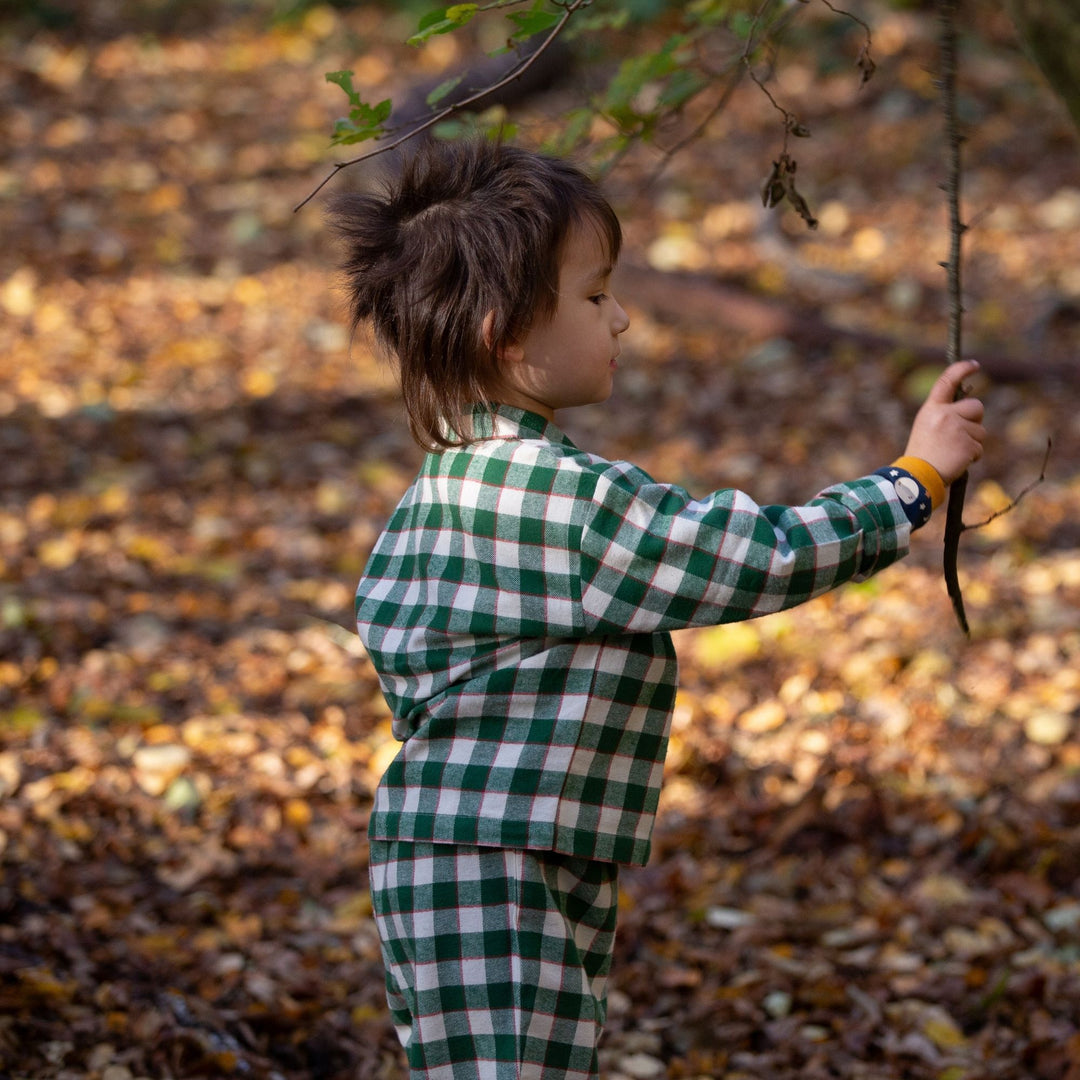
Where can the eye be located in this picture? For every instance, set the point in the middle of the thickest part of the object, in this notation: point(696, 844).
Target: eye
point(598, 299)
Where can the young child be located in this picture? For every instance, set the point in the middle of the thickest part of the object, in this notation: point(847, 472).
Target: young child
point(519, 604)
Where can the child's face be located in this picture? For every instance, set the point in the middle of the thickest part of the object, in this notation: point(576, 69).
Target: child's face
point(569, 358)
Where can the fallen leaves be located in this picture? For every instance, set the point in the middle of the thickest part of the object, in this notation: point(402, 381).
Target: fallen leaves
point(867, 860)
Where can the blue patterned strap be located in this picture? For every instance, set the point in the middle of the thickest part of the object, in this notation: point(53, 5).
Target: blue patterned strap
point(918, 487)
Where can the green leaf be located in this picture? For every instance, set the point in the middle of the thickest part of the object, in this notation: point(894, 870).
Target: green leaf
point(681, 87)
point(443, 89)
point(449, 130)
point(374, 114)
point(742, 25)
point(635, 73)
point(576, 125)
point(710, 12)
point(345, 134)
point(629, 80)
point(530, 23)
point(344, 80)
point(642, 10)
point(591, 24)
point(609, 151)
point(364, 122)
point(442, 21)
point(490, 124)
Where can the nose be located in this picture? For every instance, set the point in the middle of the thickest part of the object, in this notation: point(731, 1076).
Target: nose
point(620, 320)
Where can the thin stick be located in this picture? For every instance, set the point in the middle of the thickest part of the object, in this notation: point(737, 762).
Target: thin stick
point(1016, 502)
point(954, 526)
point(954, 515)
point(952, 182)
point(460, 106)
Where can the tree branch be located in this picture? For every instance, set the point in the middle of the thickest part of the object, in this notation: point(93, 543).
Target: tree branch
point(1016, 501)
point(954, 515)
point(460, 106)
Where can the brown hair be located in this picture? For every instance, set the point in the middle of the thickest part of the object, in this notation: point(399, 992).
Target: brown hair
point(464, 228)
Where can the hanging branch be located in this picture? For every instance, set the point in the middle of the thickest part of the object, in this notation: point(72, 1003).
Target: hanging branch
point(954, 515)
point(780, 184)
point(569, 7)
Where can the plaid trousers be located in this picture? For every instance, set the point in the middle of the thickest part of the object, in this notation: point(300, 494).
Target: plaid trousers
point(496, 959)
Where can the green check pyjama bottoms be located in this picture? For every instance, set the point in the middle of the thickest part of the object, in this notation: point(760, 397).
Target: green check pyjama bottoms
point(496, 960)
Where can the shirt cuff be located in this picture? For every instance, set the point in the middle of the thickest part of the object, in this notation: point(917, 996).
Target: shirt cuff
point(926, 474)
point(914, 496)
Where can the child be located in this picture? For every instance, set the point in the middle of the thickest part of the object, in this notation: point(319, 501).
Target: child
point(519, 604)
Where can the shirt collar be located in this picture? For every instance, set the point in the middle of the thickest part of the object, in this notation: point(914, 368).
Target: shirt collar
point(510, 422)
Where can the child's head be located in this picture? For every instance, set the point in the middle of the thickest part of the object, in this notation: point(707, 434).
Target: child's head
point(456, 259)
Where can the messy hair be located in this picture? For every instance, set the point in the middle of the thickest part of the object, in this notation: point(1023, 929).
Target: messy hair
point(464, 228)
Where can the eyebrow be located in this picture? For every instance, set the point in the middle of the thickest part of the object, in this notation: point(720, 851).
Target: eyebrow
point(600, 273)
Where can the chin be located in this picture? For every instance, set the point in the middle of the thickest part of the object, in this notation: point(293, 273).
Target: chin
point(597, 397)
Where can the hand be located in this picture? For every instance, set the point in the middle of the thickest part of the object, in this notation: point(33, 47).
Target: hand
point(949, 433)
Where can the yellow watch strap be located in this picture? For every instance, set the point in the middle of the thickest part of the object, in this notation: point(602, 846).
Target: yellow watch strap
point(927, 475)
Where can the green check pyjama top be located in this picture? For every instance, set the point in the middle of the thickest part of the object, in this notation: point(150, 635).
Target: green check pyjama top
point(518, 610)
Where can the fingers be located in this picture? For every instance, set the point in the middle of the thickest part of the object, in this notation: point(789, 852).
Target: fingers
point(948, 431)
point(971, 426)
point(965, 413)
point(977, 434)
point(966, 416)
point(969, 409)
point(951, 379)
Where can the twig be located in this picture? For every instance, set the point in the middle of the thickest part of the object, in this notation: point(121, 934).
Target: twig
point(733, 74)
point(790, 119)
point(780, 184)
point(1016, 501)
point(699, 129)
point(460, 106)
point(954, 515)
point(852, 16)
point(865, 64)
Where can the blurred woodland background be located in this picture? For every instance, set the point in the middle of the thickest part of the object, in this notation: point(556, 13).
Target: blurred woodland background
point(868, 860)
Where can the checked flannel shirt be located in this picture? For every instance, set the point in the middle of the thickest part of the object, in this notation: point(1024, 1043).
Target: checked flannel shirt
point(518, 609)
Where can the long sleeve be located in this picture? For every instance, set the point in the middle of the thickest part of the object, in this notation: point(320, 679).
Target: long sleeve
point(656, 559)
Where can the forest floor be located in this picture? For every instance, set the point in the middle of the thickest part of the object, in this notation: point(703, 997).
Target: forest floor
point(867, 863)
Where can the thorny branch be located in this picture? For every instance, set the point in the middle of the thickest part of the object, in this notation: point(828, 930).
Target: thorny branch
point(460, 106)
point(954, 515)
point(953, 140)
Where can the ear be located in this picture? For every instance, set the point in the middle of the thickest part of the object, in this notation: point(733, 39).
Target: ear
point(512, 351)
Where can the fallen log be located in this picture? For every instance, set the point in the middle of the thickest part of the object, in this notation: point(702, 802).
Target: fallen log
point(686, 295)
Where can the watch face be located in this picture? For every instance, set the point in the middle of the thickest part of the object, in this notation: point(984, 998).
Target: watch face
point(907, 489)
